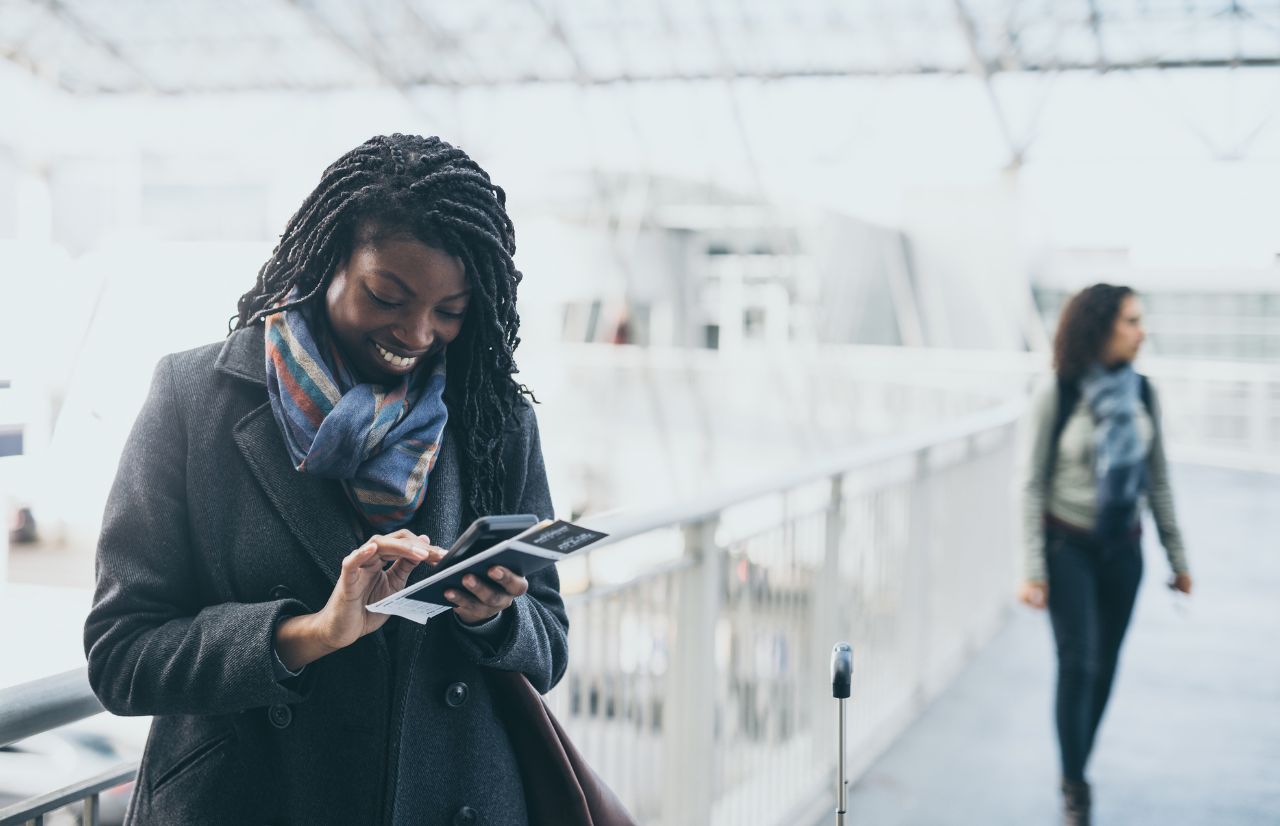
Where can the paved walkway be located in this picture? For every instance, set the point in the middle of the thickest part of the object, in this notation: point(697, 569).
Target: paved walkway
point(1192, 735)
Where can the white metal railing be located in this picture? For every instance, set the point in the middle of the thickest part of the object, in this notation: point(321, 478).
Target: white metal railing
point(43, 705)
point(700, 689)
point(698, 685)
point(1224, 413)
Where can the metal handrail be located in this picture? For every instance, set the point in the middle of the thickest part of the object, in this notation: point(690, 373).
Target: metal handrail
point(625, 524)
point(85, 790)
point(44, 704)
point(32, 708)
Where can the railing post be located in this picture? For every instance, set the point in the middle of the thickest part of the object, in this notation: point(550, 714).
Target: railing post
point(917, 577)
point(1258, 439)
point(689, 723)
point(828, 618)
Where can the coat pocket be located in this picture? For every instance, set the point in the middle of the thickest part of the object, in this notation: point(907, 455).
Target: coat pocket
point(194, 758)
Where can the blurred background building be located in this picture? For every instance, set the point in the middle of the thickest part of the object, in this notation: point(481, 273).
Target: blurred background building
point(790, 271)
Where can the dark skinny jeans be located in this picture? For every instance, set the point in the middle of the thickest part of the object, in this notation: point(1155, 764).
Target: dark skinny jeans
point(1091, 593)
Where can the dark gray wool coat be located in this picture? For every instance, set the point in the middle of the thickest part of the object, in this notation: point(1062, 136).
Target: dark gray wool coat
point(210, 537)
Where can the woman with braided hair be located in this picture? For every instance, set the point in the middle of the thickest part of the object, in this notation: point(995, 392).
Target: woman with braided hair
point(1096, 452)
point(358, 416)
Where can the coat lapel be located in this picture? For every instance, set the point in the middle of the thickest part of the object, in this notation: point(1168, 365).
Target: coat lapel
point(440, 513)
point(316, 509)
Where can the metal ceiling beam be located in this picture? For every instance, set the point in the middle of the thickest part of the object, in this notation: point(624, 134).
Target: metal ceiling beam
point(985, 69)
point(321, 25)
point(411, 83)
point(556, 29)
point(854, 72)
point(100, 42)
point(440, 38)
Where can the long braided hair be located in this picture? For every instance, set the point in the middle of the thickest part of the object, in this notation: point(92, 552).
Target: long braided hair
point(435, 193)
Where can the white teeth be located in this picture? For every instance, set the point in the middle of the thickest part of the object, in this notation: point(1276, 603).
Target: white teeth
point(392, 358)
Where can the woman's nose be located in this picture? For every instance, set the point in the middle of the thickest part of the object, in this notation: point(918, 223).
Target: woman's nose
point(417, 334)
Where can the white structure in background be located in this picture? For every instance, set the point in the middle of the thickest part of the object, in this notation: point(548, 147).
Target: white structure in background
point(147, 299)
point(683, 264)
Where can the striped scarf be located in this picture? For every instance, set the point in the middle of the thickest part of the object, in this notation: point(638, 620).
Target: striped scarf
point(380, 441)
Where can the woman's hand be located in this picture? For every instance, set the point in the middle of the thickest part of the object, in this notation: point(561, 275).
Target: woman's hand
point(365, 577)
point(1181, 582)
point(481, 601)
point(1035, 593)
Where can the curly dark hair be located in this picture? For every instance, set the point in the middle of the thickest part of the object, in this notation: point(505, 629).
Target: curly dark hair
point(433, 192)
point(1084, 328)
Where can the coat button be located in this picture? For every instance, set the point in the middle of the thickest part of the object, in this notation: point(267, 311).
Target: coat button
point(455, 696)
point(280, 715)
point(466, 816)
point(281, 592)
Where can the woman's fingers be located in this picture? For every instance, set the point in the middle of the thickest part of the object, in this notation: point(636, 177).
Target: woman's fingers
point(403, 541)
point(464, 600)
point(1034, 594)
point(398, 574)
point(479, 600)
point(365, 565)
point(511, 582)
point(509, 586)
point(359, 556)
point(383, 549)
point(484, 594)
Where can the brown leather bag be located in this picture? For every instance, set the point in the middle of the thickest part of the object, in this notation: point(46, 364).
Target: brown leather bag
point(560, 789)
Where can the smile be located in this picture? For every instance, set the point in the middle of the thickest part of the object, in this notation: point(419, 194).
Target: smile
point(394, 360)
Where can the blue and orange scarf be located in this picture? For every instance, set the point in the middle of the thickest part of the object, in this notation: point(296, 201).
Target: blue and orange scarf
point(380, 441)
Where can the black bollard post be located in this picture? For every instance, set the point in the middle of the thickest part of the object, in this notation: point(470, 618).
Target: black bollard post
point(841, 686)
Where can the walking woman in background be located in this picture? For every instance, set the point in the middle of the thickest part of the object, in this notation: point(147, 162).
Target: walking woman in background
point(1097, 450)
point(359, 415)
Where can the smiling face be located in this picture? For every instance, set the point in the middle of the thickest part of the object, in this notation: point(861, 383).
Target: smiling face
point(395, 303)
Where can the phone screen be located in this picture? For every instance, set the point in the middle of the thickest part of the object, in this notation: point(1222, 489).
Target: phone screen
point(484, 533)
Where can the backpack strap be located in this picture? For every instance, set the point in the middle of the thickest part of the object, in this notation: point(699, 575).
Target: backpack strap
point(1068, 398)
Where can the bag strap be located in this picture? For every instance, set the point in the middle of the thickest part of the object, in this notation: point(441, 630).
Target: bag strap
point(1145, 393)
point(560, 788)
point(1068, 398)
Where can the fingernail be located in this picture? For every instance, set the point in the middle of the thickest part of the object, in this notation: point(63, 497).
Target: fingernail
point(496, 573)
point(469, 581)
point(450, 594)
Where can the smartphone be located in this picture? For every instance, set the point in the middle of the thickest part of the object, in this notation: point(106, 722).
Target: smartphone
point(486, 532)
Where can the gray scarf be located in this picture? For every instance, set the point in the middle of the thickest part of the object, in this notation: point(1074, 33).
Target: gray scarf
point(1120, 466)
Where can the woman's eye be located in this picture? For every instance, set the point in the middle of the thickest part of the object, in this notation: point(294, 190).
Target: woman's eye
point(452, 315)
point(381, 302)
